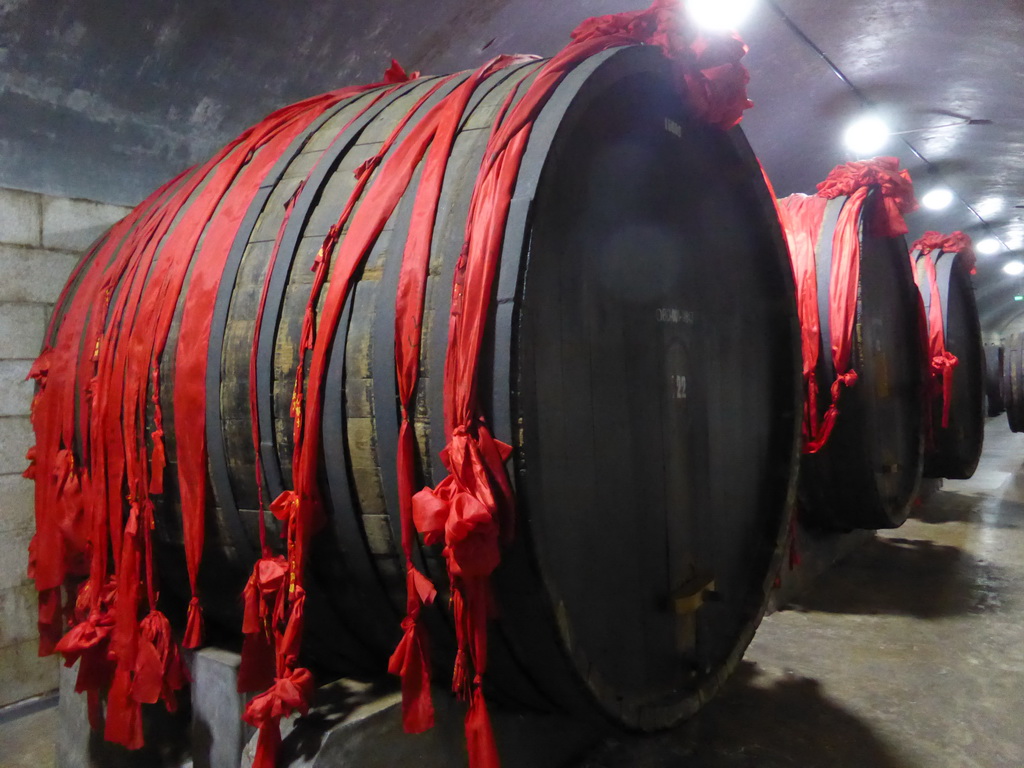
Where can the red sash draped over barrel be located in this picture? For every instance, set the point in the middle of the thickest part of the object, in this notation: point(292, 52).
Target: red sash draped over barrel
point(802, 221)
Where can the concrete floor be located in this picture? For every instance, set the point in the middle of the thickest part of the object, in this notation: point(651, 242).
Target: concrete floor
point(908, 654)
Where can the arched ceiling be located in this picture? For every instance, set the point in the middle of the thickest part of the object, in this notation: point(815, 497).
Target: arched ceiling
point(106, 98)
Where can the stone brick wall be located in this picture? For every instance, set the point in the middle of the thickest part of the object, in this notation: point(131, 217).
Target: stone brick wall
point(41, 238)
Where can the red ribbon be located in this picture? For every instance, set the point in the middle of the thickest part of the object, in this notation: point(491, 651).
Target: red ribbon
point(707, 66)
point(127, 292)
point(61, 384)
point(802, 218)
point(159, 669)
point(289, 693)
point(894, 184)
point(301, 509)
point(956, 242)
point(942, 360)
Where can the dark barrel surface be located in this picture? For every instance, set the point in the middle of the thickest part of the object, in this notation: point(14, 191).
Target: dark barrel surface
point(956, 449)
point(994, 360)
point(868, 472)
point(642, 359)
point(1013, 381)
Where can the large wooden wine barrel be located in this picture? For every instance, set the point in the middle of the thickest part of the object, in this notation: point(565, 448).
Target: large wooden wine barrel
point(994, 379)
point(955, 448)
point(867, 474)
point(642, 359)
point(1013, 381)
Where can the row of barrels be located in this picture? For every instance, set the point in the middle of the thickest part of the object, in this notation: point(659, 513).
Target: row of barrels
point(643, 359)
point(1004, 380)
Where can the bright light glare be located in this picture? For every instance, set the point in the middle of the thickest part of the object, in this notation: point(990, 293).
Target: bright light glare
point(1013, 268)
point(990, 206)
point(866, 136)
point(937, 199)
point(988, 246)
point(721, 15)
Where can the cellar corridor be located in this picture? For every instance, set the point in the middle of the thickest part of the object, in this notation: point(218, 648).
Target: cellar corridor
point(907, 654)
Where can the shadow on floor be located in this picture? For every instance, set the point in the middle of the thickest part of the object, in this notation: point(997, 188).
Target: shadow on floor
point(166, 737)
point(333, 704)
point(908, 577)
point(953, 507)
point(752, 724)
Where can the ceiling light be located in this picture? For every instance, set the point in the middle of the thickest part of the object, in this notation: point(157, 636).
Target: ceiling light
point(1013, 268)
point(938, 198)
point(866, 135)
point(987, 247)
point(721, 15)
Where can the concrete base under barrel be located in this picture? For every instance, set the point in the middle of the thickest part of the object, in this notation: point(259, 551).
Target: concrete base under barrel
point(359, 724)
point(352, 724)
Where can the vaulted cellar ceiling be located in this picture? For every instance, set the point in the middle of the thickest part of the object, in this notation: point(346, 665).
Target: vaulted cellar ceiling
point(106, 99)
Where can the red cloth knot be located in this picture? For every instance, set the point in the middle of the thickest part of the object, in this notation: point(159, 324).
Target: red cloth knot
point(461, 511)
point(159, 670)
point(288, 694)
point(828, 422)
point(659, 24)
point(956, 242)
point(718, 87)
point(708, 65)
point(894, 184)
point(285, 506)
point(264, 610)
point(261, 593)
point(85, 636)
point(409, 661)
point(92, 644)
point(193, 625)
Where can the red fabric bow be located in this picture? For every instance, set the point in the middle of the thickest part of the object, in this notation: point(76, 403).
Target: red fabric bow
point(264, 610)
point(290, 693)
point(801, 217)
point(708, 66)
point(718, 90)
point(88, 643)
point(942, 360)
point(828, 421)
point(895, 185)
point(159, 669)
point(464, 510)
point(956, 242)
point(285, 506)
